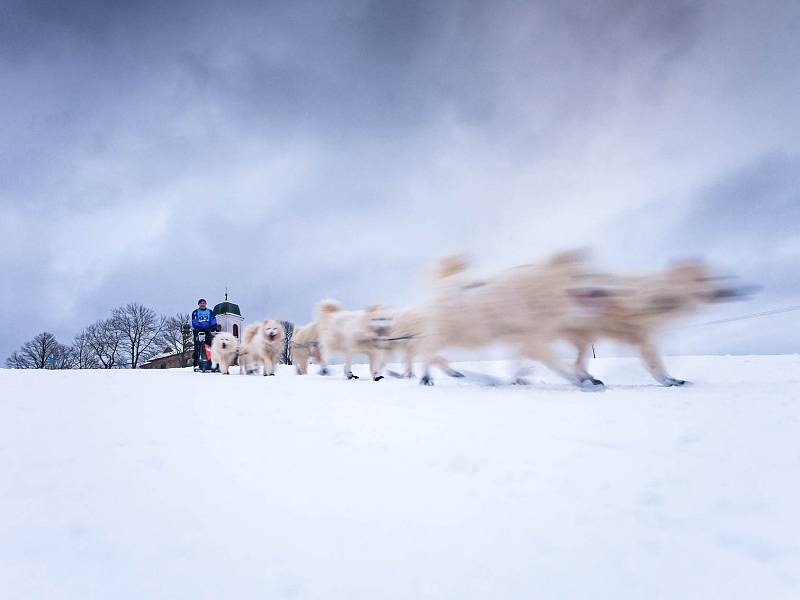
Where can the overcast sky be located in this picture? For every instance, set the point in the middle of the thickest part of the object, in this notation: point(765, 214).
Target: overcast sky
point(291, 151)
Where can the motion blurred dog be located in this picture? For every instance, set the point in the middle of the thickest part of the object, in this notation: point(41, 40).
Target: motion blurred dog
point(408, 329)
point(262, 345)
point(632, 310)
point(349, 332)
point(223, 351)
point(525, 308)
point(305, 346)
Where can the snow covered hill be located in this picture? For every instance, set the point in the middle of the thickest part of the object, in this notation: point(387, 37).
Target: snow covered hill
point(171, 484)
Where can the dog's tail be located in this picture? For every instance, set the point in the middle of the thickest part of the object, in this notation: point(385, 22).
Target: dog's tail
point(250, 332)
point(449, 266)
point(326, 308)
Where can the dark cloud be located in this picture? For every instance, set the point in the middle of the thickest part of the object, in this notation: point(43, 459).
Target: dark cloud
point(337, 148)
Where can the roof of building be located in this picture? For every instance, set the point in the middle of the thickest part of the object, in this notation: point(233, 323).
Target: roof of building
point(165, 354)
point(227, 308)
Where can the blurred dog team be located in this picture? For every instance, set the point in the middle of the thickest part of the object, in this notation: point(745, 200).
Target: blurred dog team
point(528, 309)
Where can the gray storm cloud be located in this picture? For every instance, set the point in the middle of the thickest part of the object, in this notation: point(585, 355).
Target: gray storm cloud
point(293, 151)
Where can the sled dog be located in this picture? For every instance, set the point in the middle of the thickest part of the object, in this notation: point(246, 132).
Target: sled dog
point(634, 309)
point(525, 308)
point(223, 351)
point(262, 345)
point(349, 332)
point(305, 346)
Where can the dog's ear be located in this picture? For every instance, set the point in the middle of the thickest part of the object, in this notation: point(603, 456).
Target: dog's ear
point(327, 307)
point(449, 266)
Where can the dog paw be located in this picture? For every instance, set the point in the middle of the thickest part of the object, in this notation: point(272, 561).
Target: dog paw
point(454, 373)
point(324, 371)
point(592, 385)
point(377, 377)
point(520, 381)
point(426, 380)
point(671, 381)
point(351, 376)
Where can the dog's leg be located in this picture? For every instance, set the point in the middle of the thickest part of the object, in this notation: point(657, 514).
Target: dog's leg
point(521, 370)
point(323, 364)
point(426, 378)
point(582, 359)
point(301, 365)
point(544, 355)
point(408, 361)
point(348, 367)
point(655, 365)
point(444, 365)
point(376, 365)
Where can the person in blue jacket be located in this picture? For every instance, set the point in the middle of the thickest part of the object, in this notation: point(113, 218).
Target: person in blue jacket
point(203, 319)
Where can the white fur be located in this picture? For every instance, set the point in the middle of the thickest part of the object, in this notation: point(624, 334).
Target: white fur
point(524, 308)
point(350, 332)
point(223, 351)
point(305, 346)
point(262, 345)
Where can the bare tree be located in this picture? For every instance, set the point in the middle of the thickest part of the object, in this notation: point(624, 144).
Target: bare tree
point(140, 330)
point(35, 353)
point(18, 361)
point(62, 358)
point(83, 354)
point(105, 341)
point(178, 337)
point(286, 355)
point(42, 352)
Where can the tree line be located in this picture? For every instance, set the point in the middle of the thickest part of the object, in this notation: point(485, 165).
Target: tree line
point(131, 336)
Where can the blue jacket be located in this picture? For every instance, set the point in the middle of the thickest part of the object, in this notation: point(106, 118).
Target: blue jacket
point(203, 319)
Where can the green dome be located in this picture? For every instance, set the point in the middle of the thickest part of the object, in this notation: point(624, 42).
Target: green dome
point(227, 308)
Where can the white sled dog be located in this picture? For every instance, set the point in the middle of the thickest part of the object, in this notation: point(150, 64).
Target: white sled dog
point(349, 332)
point(632, 310)
point(262, 345)
point(223, 351)
point(525, 308)
point(305, 346)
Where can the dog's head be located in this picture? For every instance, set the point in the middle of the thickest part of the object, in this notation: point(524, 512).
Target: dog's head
point(379, 321)
point(693, 282)
point(273, 330)
point(226, 340)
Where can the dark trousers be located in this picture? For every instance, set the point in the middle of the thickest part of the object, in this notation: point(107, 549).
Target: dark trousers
point(198, 346)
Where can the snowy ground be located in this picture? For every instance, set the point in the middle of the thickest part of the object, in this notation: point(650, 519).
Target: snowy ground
point(170, 484)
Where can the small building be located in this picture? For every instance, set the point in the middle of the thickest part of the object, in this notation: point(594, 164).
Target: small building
point(168, 360)
point(229, 318)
